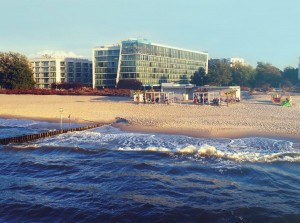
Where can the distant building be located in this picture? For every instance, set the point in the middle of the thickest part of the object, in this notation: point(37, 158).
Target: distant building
point(231, 61)
point(105, 65)
point(150, 63)
point(48, 69)
point(234, 60)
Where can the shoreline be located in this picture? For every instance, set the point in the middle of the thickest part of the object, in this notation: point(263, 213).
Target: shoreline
point(254, 116)
point(50, 120)
point(225, 133)
point(199, 133)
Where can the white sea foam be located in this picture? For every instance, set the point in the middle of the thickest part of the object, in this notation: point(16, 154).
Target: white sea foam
point(158, 149)
point(17, 122)
point(208, 150)
point(187, 150)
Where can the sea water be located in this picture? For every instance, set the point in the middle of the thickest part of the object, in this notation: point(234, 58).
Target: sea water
point(108, 175)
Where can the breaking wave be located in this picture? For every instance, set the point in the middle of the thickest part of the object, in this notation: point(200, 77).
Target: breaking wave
point(253, 149)
point(108, 175)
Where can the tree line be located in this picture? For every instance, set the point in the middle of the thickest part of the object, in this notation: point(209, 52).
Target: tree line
point(16, 73)
point(265, 75)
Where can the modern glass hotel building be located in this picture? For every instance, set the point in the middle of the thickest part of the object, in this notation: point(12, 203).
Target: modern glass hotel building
point(105, 65)
point(150, 63)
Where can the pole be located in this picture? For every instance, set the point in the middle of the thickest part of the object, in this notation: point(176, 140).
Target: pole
point(60, 111)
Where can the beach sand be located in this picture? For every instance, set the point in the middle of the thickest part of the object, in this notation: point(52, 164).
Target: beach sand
point(255, 115)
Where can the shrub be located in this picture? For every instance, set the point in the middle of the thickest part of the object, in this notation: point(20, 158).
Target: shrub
point(132, 84)
point(82, 91)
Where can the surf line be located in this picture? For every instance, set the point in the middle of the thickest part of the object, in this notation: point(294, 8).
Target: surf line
point(32, 137)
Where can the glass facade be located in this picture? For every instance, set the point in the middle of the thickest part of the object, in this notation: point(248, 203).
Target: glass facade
point(106, 61)
point(152, 64)
point(79, 71)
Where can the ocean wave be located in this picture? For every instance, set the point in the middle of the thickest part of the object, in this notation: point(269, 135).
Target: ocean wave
point(212, 152)
point(30, 125)
point(49, 149)
point(138, 177)
point(252, 149)
point(17, 122)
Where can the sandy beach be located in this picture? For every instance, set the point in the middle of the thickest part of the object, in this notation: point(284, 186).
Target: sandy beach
point(255, 115)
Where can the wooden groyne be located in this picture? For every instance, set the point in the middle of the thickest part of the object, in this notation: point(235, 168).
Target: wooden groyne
point(32, 137)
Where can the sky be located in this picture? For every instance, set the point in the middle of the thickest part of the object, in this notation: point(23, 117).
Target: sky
point(256, 30)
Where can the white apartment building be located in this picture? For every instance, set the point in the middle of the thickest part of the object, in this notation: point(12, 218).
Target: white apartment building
point(50, 69)
point(234, 60)
point(231, 61)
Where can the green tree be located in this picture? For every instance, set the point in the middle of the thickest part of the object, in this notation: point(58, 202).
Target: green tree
point(219, 73)
point(290, 74)
point(267, 74)
point(198, 77)
point(184, 79)
point(132, 84)
point(15, 71)
point(242, 74)
point(286, 85)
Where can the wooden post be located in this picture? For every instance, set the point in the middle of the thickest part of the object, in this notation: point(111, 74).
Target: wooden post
point(32, 137)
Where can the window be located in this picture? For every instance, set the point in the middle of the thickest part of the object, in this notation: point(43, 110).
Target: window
point(45, 63)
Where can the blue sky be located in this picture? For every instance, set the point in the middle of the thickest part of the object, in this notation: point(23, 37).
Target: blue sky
point(256, 30)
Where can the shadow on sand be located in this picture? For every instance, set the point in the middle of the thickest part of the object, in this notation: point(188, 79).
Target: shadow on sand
point(266, 102)
point(111, 98)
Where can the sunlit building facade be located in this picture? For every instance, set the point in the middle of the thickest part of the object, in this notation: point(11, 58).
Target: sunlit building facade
point(150, 63)
point(49, 69)
point(105, 65)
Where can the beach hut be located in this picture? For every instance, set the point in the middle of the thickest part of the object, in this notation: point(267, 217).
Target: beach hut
point(229, 96)
point(207, 97)
point(156, 97)
point(215, 96)
point(180, 92)
point(208, 88)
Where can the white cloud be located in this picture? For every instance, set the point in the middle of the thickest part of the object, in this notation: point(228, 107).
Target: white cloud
point(56, 53)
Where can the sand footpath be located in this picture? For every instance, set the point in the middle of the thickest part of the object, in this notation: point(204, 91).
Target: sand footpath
point(253, 116)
